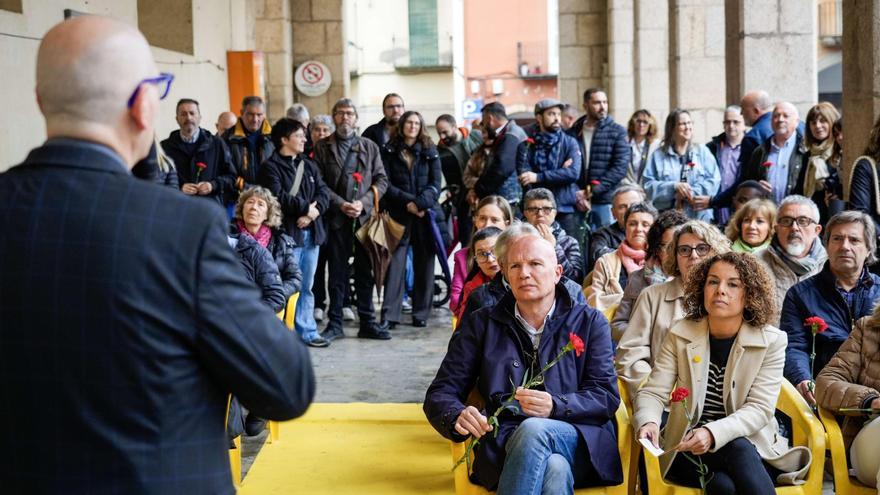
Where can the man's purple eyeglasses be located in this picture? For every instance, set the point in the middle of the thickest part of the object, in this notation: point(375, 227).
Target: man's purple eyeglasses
point(162, 82)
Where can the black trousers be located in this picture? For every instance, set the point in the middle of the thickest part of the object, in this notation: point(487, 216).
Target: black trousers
point(422, 242)
point(340, 243)
point(734, 468)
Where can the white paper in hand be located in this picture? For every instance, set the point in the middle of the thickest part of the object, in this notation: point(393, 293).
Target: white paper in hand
point(649, 447)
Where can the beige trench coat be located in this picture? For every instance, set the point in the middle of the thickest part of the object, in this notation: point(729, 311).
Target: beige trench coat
point(605, 291)
point(657, 308)
point(752, 382)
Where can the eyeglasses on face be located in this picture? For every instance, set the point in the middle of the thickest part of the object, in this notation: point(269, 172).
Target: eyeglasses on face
point(485, 255)
point(685, 251)
point(344, 113)
point(546, 210)
point(803, 222)
point(162, 83)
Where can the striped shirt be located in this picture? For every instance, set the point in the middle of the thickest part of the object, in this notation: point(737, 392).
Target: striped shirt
point(713, 406)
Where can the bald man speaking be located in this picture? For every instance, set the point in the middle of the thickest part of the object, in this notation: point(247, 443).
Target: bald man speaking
point(125, 320)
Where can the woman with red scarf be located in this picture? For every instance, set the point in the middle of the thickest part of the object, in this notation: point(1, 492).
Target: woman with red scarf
point(612, 270)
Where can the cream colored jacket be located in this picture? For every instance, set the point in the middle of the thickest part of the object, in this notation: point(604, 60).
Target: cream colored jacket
point(605, 291)
point(655, 311)
point(751, 387)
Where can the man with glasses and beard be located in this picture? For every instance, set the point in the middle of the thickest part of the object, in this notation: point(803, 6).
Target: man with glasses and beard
point(392, 108)
point(552, 160)
point(796, 252)
point(351, 166)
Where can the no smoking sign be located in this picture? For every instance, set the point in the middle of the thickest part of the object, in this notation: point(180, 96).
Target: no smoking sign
point(312, 78)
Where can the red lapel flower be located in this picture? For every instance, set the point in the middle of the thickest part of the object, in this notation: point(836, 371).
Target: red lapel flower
point(202, 165)
point(530, 141)
point(767, 164)
point(594, 182)
point(816, 324)
point(680, 394)
point(576, 343)
point(692, 165)
point(358, 177)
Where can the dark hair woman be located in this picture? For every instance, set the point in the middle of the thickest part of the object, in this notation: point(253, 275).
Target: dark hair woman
point(730, 360)
point(303, 197)
point(412, 165)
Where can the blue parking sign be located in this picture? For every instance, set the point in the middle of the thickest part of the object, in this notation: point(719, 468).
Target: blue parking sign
point(470, 109)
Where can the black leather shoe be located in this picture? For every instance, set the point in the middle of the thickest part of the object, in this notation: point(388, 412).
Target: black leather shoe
point(373, 331)
point(332, 332)
point(419, 323)
point(388, 325)
point(318, 342)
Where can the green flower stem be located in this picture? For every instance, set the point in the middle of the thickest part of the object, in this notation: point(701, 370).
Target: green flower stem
point(493, 420)
point(811, 385)
point(701, 468)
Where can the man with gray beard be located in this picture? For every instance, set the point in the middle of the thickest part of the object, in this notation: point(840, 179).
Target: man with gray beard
point(796, 253)
point(351, 167)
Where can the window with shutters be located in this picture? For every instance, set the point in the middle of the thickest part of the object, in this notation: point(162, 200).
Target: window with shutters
point(423, 50)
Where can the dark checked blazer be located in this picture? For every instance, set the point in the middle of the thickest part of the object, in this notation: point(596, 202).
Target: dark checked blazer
point(125, 320)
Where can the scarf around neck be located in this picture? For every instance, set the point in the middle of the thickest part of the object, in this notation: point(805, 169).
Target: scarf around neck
point(739, 246)
point(263, 235)
point(633, 259)
point(547, 150)
point(800, 266)
point(817, 166)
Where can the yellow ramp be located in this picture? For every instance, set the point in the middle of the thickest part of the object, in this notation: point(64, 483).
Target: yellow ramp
point(354, 448)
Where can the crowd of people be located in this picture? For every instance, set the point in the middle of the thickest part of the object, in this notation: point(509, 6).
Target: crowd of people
point(711, 264)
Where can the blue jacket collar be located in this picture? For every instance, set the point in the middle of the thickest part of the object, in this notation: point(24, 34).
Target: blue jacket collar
point(77, 153)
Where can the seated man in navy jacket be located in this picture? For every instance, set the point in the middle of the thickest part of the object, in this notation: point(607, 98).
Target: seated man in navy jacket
point(562, 435)
point(840, 294)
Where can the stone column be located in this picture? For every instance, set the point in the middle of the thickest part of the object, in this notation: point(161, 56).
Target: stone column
point(651, 57)
point(583, 47)
point(861, 77)
point(696, 63)
point(273, 38)
point(318, 34)
point(621, 90)
point(771, 45)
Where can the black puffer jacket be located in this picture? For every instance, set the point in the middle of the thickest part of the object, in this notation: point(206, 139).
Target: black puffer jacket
point(568, 254)
point(420, 185)
point(609, 157)
point(281, 246)
point(277, 174)
point(246, 160)
point(260, 268)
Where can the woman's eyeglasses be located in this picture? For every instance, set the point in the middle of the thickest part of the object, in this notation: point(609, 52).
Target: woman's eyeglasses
point(685, 251)
point(485, 255)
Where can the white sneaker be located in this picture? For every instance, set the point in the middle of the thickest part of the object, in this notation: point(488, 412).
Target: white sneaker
point(347, 314)
point(319, 314)
point(406, 306)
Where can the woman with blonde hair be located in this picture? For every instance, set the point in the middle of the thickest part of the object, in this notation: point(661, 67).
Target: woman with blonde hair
point(659, 306)
point(751, 228)
point(729, 360)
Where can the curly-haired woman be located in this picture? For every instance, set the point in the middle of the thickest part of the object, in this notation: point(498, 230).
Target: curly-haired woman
point(731, 361)
point(661, 305)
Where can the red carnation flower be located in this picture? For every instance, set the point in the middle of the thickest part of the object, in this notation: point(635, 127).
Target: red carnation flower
point(816, 323)
point(767, 164)
point(594, 182)
point(680, 394)
point(576, 343)
point(692, 164)
point(530, 140)
point(358, 177)
point(202, 165)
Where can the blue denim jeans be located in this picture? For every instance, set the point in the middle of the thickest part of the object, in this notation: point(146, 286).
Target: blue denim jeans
point(600, 216)
point(544, 456)
point(307, 258)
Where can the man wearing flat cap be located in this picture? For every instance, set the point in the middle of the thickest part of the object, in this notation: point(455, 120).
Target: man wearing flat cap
point(552, 159)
